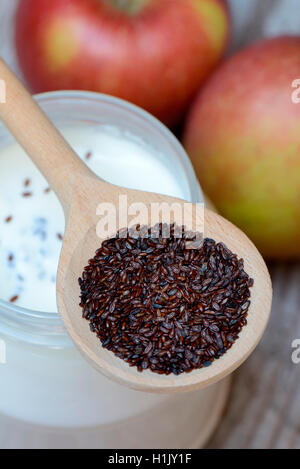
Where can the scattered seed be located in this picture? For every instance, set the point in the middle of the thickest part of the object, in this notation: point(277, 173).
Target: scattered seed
point(27, 182)
point(88, 155)
point(27, 194)
point(14, 299)
point(162, 307)
point(8, 219)
point(60, 236)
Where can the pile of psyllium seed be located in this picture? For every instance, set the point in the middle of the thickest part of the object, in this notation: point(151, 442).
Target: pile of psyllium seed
point(159, 304)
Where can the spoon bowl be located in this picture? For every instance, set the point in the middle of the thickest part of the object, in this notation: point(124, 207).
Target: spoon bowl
point(80, 193)
point(79, 247)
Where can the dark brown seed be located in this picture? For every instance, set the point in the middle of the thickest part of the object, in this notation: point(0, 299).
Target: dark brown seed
point(60, 236)
point(8, 219)
point(47, 190)
point(88, 155)
point(14, 299)
point(160, 306)
point(27, 182)
point(27, 194)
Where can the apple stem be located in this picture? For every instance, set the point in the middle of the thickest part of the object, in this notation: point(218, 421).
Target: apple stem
point(131, 7)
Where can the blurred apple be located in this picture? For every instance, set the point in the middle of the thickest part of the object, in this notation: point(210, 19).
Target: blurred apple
point(154, 53)
point(243, 135)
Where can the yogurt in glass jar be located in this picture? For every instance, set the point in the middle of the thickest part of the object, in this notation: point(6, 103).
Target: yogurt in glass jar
point(50, 397)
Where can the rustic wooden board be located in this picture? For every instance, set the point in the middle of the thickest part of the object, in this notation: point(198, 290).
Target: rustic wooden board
point(264, 404)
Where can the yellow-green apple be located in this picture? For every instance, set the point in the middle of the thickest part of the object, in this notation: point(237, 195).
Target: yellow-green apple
point(243, 135)
point(154, 53)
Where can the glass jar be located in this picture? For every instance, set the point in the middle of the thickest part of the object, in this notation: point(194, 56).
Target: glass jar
point(50, 397)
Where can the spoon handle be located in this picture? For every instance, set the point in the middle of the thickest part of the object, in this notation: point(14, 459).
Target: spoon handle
point(38, 136)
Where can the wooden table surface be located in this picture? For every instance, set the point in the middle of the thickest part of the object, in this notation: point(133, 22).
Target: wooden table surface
point(263, 410)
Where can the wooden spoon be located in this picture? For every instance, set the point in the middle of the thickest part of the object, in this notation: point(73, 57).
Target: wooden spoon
point(80, 192)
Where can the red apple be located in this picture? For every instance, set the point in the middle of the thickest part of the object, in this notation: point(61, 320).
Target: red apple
point(243, 135)
point(154, 53)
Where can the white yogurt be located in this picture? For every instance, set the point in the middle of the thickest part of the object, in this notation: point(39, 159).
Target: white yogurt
point(32, 220)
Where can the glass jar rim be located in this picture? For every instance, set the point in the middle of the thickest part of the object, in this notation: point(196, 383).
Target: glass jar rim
point(46, 328)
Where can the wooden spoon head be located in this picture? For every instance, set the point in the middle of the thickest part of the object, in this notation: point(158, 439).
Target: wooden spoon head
point(80, 244)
